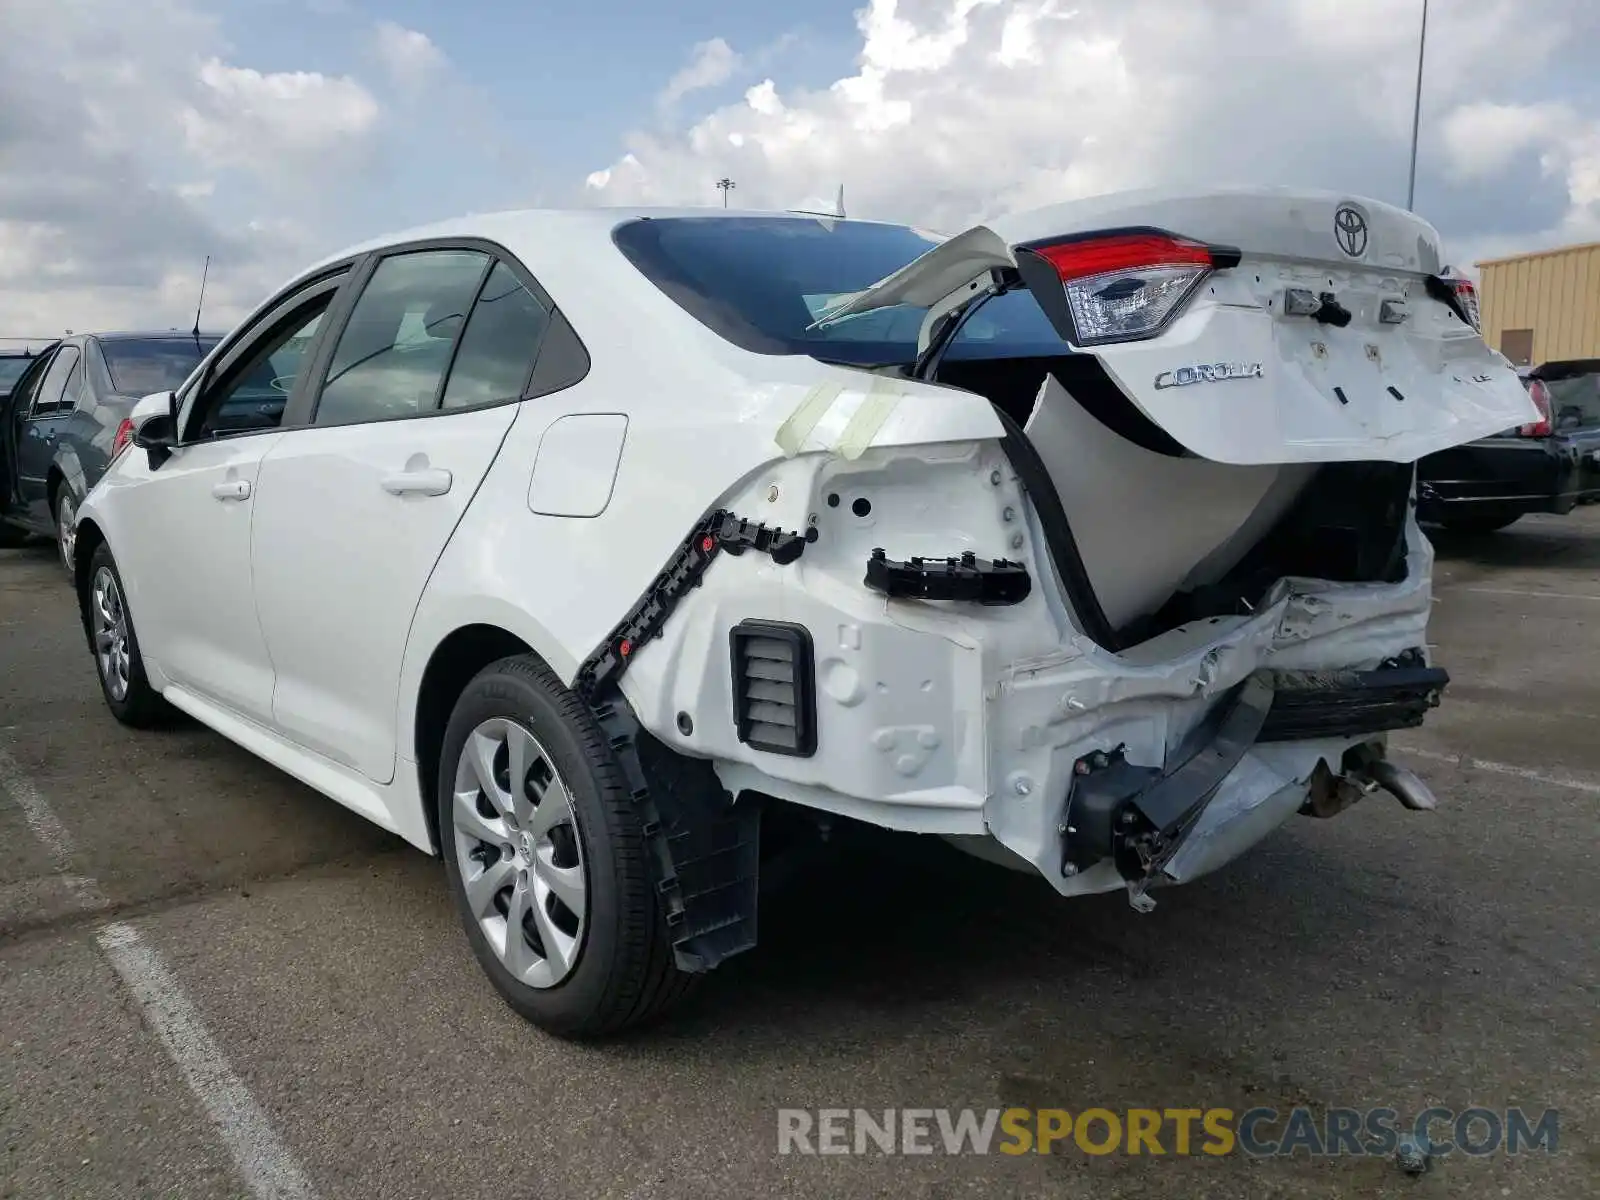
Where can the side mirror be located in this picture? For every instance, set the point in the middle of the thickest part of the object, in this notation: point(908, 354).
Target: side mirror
point(155, 426)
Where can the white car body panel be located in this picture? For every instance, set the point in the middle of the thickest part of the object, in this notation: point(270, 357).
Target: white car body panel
point(193, 503)
point(336, 647)
point(932, 717)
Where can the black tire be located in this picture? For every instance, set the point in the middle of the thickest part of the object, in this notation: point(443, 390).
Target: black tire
point(1488, 522)
point(624, 975)
point(12, 538)
point(140, 706)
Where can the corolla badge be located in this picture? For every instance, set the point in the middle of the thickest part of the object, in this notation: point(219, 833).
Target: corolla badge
point(1207, 373)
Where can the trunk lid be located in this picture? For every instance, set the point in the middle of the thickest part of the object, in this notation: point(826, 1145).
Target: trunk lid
point(1316, 331)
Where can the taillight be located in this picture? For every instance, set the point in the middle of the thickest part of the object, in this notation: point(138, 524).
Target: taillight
point(1540, 395)
point(123, 438)
point(1467, 297)
point(1121, 287)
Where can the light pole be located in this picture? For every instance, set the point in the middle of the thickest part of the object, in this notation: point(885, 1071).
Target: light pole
point(725, 185)
point(1416, 110)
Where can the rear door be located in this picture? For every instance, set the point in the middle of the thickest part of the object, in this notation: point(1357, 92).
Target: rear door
point(1254, 326)
point(415, 396)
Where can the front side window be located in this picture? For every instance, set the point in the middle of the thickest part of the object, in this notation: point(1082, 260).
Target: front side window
point(395, 349)
point(499, 344)
point(253, 395)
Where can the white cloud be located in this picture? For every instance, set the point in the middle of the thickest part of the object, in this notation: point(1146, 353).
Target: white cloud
point(958, 108)
point(1484, 139)
point(710, 64)
point(410, 56)
point(250, 119)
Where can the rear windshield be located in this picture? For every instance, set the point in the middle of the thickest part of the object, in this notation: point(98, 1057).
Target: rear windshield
point(141, 366)
point(1575, 400)
point(11, 369)
point(760, 281)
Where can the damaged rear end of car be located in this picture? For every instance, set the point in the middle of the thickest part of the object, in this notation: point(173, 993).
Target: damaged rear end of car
point(1178, 596)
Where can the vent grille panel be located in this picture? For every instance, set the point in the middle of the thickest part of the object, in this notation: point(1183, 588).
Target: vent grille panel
point(774, 687)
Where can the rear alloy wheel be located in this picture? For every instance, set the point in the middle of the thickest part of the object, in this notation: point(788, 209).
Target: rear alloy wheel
point(127, 690)
point(547, 858)
point(66, 526)
point(519, 853)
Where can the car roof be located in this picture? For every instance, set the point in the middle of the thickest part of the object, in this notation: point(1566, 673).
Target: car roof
point(571, 253)
point(152, 335)
point(554, 226)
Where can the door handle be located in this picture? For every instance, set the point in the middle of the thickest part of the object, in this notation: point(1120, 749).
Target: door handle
point(233, 489)
point(433, 481)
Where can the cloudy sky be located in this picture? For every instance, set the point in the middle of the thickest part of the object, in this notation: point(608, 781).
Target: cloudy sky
point(138, 136)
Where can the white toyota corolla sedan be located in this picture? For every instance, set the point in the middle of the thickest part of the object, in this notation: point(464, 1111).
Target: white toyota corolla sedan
point(566, 545)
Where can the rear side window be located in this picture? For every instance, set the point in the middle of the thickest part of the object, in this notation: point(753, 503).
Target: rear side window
point(761, 283)
point(499, 344)
point(49, 396)
point(396, 347)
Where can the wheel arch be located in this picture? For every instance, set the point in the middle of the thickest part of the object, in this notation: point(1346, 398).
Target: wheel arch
point(52, 485)
point(458, 657)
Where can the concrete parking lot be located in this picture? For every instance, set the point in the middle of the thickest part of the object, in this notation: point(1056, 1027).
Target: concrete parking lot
point(302, 973)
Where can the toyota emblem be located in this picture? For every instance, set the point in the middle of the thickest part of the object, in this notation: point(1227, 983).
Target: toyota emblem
point(1350, 230)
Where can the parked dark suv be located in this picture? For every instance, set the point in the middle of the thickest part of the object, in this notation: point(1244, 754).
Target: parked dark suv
point(1550, 466)
point(65, 418)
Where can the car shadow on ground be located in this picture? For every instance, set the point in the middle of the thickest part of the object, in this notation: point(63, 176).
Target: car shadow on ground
point(896, 928)
point(1567, 541)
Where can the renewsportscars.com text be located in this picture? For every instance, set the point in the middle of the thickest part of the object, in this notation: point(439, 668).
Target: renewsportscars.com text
point(1260, 1132)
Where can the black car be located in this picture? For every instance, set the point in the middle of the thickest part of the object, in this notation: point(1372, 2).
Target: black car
point(1549, 466)
point(66, 417)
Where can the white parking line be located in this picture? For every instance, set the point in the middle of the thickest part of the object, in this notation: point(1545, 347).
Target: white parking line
point(269, 1170)
point(1467, 763)
point(1537, 594)
point(265, 1163)
point(41, 818)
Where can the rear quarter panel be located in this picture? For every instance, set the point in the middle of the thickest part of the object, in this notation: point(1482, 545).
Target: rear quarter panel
point(700, 426)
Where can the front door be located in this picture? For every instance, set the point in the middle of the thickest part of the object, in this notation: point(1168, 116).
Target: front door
point(184, 543)
point(356, 508)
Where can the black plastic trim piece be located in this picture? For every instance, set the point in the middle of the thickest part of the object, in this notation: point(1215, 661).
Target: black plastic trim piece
point(737, 534)
point(803, 687)
point(1139, 816)
point(968, 578)
point(1059, 539)
point(705, 850)
point(721, 530)
point(1313, 704)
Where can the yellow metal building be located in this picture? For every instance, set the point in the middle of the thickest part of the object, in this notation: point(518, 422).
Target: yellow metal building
point(1538, 308)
